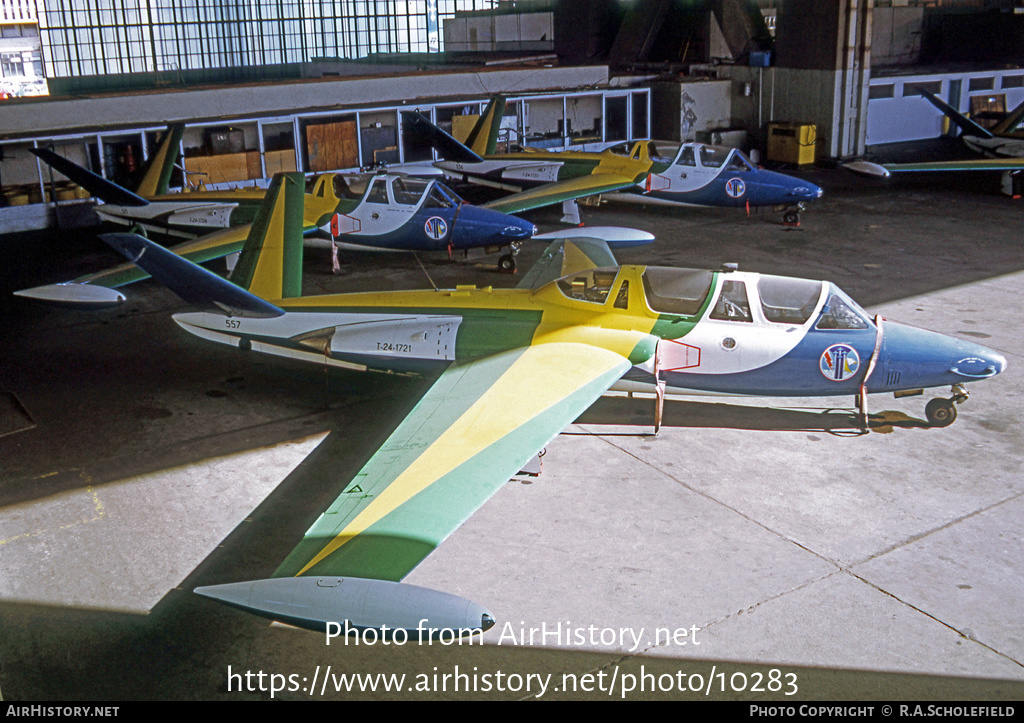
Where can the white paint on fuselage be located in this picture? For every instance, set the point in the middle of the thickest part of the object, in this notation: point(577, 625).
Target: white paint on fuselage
point(399, 336)
point(733, 346)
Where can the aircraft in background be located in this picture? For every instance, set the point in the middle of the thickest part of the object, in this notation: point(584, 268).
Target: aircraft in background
point(689, 174)
point(368, 212)
point(1003, 145)
point(512, 368)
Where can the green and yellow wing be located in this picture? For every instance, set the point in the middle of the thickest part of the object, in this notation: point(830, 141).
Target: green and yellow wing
point(559, 191)
point(981, 164)
point(475, 428)
point(206, 248)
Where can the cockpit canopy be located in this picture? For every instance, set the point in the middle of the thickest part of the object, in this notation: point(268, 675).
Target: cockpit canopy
point(690, 154)
point(684, 292)
point(386, 188)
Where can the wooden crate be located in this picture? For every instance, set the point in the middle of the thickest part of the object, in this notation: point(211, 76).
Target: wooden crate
point(332, 145)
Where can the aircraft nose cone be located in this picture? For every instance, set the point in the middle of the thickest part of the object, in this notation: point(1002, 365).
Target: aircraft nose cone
point(807, 192)
point(923, 359)
point(483, 227)
point(982, 364)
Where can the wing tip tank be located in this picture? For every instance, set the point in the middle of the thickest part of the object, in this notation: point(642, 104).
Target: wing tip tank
point(77, 296)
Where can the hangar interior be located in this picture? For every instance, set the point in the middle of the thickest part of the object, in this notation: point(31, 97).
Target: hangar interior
point(136, 465)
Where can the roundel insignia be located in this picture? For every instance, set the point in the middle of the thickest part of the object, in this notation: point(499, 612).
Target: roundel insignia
point(839, 362)
point(735, 187)
point(435, 228)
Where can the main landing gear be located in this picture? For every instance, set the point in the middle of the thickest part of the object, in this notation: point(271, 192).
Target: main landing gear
point(941, 412)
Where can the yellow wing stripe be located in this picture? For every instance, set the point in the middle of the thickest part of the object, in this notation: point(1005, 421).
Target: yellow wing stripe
point(533, 384)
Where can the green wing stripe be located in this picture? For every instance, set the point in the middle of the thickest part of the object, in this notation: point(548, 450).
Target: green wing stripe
point(558, 191)
point(212, 246)
point(475, 428)
point(987, 164)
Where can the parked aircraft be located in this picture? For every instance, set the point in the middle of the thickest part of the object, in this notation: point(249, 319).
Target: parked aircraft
point(650, 172)
point(1003, 145)
point(511, 368)
point(377, 212)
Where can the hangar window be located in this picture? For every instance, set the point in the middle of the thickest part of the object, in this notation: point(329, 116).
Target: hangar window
point(932, 86)
point(876, 92)
point(981, 84)
point(732, 303)
point(1013, 81)
point(592, 285)
point(841, 313)
point(788, 301)
point(676, 291)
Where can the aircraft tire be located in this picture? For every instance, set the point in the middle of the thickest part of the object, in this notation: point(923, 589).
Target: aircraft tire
point(507, 263)
point(940, 412)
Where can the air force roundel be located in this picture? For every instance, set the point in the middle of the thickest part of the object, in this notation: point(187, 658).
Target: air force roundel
point(435, 228)
point(839, 362)
point(735, 187)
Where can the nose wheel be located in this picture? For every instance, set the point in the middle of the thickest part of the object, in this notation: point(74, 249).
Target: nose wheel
point(791, 215)
point(941, 412)
point(507, 263)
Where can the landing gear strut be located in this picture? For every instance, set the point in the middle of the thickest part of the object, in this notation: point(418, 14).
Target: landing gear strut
point(941, 412)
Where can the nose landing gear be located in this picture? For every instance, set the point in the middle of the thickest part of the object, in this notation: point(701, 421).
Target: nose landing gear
point(941, 412)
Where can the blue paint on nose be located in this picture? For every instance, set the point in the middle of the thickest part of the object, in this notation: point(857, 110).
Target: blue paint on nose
point(475, 226)
point(913, 358)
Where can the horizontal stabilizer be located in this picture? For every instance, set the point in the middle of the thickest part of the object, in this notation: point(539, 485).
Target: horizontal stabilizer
point(98, 186)
point(191, 282)
point(447, 146)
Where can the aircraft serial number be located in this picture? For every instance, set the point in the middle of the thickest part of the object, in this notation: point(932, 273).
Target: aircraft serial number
point(397, 348)
point(233, 323)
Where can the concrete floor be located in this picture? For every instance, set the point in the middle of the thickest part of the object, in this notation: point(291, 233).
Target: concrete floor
point(791, 557)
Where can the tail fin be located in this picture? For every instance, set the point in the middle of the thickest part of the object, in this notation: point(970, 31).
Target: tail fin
point(98, 186)
point(270, 264)
point(965, 124)
point(447, 146)
point(158, 173)
point(483, 139)
point(1010, 122)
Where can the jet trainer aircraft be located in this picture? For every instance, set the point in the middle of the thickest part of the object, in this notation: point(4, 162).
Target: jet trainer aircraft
point(688, 174)
point(512, 368)
point(1003, 145)
point(378, 212)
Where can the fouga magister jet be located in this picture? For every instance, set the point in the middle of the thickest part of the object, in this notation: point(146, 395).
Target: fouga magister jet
point(663, 172)
point(512, 368)
point(375, 212)
point(1002, 145)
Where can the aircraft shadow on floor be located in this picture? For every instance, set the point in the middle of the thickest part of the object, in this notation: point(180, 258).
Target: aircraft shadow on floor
point(702, 414)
